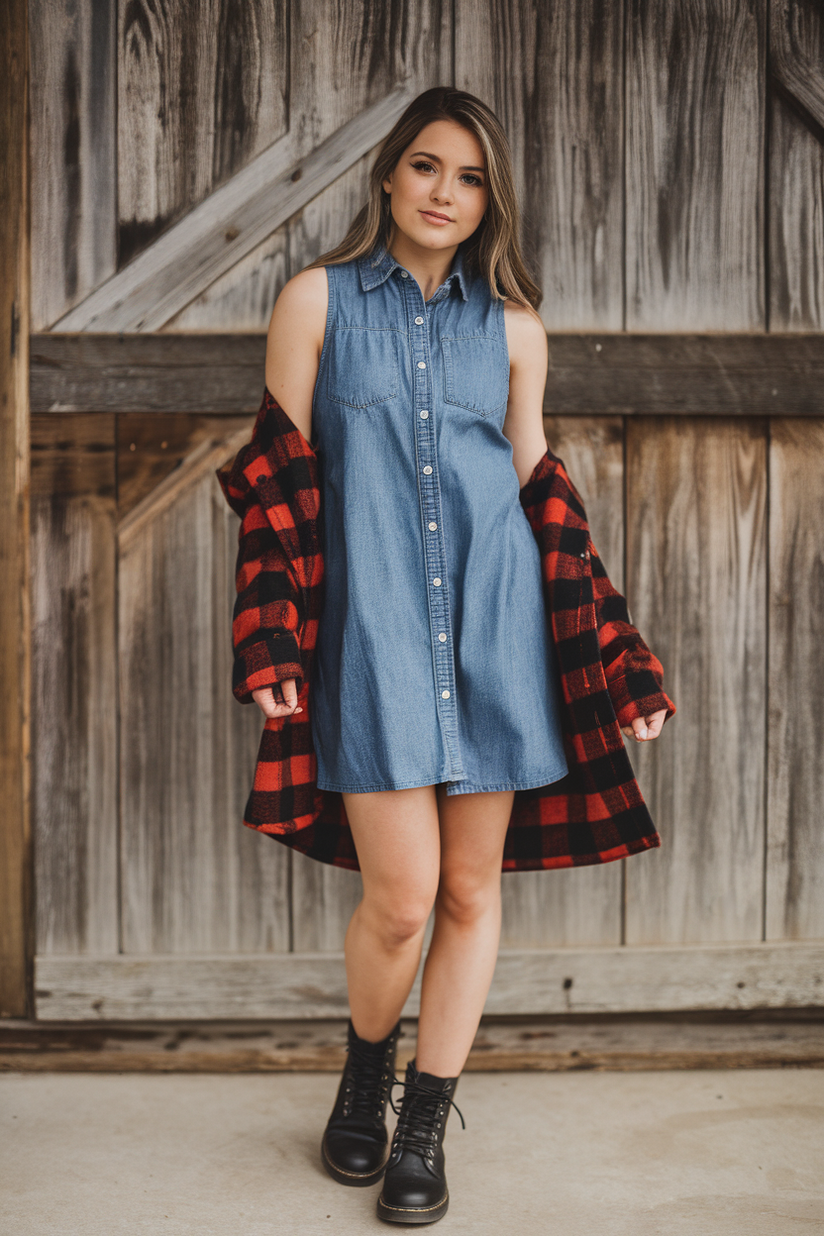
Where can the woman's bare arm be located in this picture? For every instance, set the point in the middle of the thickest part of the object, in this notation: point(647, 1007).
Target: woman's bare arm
point(528, 360)
point(293, 349)
point(294, 345)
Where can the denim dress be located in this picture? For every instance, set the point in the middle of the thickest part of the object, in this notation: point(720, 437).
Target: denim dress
point(434, 659)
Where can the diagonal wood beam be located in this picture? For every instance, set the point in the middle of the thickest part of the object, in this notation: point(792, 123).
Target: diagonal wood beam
point(796, 78)
point(230, 223)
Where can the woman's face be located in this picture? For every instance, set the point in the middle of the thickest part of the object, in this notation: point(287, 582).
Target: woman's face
point(439, 187)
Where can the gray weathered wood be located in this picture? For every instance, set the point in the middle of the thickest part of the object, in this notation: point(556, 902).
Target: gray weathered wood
point(203, 88)
point(591, 375)
point(73, 152)
point(554, 76)
point(696, 588)
point(796, 185)
point(708, 1040)
point(794, 72)
point(795, 837)
point(74, 687)
point(193, 879)
point(526, 981)
point(555, 908)
point(327, 85)
point(694, 165)
point(227, 225)
point(16, 907)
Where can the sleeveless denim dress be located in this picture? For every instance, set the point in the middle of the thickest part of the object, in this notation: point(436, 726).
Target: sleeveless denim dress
point(434, 659)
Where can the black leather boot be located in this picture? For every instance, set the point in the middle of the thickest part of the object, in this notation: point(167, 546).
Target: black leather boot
point(355, 1142)
point(414, 1184)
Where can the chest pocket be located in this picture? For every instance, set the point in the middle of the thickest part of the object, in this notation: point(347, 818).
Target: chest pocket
point(364, 366)
point(476, 372)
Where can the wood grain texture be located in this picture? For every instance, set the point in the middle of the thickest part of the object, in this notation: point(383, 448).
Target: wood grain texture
point(16, 908)
point(559, 908)
point(153, 446)
point(795, 69)
point(696, 588)
point(533, 981)
point(329, 84)
point(74, 697)
point(546, 1044)
point(589, 375)
point(191, 254)
point(73, 152)
point(203, 87)
point(694, 170)
point(554, 76)
point(795, 839)
point(796, 186)
point(193, 880)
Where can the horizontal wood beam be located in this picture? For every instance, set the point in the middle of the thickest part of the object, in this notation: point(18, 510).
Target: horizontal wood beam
point(589, 374)
point(782, 1039)
point(526, 981)
point(187, 258)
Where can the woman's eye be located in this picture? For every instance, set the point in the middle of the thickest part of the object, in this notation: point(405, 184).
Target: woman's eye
point(475, 179)
point(422, 165)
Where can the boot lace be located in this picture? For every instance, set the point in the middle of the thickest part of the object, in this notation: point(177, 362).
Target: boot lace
point(367, 1086)
point(420, 1116)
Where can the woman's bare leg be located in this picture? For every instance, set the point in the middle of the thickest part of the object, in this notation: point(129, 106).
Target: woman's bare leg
point(464, 946)
point(397, 837)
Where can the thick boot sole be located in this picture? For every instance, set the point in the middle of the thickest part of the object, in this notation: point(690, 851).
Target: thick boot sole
point(412, 1214)
point(356, 1179)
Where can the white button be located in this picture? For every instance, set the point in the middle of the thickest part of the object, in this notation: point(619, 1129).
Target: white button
point(419, 321)
point(427, 469)
point(404, 274)
point(433, 527)
point(421, 364)
point(442, 637)
point(444, 695)
point(436, 581)
point(424, 414)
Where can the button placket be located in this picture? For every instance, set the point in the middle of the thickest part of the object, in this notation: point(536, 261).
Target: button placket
point(435, 577)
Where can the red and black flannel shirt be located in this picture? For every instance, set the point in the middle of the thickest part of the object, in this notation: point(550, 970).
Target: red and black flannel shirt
point(608, 674)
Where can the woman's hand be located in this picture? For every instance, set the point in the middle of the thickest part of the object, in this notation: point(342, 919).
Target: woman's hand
point(644, 728)
point(277, 701)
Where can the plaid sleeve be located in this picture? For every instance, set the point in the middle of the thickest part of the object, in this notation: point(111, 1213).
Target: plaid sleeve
point(266, 618)
point(634, 674)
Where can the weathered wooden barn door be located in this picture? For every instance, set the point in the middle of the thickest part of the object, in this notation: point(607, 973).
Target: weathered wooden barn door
point(187, 159)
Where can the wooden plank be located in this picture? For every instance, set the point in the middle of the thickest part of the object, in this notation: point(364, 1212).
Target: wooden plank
point(152, 446)
point(796, 186)
point(795, 838)
point(546, 1044)
point(227, 225)
point(589, 375)
point(16, 934)
point(555, 78)
point(203, 88)
point(73, 152)
point(581, 906)
point(74, 695)
point(694, 178)
point(696, 587)
point(795, 70)
point(531, 981)
point(193, 879)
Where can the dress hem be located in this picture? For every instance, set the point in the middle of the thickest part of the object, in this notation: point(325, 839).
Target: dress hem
point(452, 787)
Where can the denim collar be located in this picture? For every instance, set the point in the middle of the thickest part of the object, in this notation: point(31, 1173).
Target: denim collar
point(375, 268)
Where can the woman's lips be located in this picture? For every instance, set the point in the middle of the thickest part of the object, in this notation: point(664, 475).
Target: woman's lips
point(433, 218)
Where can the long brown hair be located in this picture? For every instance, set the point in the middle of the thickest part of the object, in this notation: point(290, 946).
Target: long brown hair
point(493, 249)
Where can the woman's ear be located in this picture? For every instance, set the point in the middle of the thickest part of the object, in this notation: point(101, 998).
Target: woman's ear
point(386, 184)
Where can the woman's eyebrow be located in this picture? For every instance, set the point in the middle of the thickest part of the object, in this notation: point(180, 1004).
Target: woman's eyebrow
point(437, 160)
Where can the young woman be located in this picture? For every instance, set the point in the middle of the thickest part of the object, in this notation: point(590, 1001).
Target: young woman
point(412, 355)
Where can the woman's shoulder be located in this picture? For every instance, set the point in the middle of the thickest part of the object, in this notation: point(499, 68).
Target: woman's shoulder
point(525, 332)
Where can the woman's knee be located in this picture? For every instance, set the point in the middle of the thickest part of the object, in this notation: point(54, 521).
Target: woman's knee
point(467, 895)
point(400, 916)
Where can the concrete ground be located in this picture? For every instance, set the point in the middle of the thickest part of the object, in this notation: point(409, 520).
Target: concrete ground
point(708, 1153)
